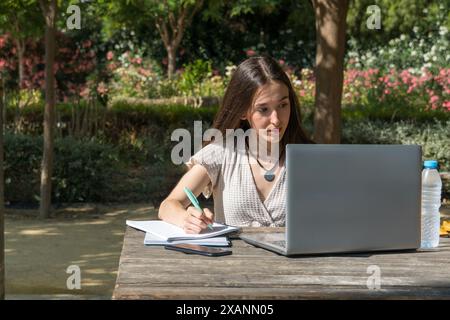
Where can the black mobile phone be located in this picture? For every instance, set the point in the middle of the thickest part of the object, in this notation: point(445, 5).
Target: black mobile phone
point(197, 249)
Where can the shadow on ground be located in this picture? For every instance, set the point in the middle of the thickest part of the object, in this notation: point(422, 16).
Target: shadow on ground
point(38, 252)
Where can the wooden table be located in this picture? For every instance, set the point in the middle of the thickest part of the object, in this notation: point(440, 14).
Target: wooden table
point(254, 273)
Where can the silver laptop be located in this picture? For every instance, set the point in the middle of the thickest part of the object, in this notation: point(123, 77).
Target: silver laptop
point(349, 198)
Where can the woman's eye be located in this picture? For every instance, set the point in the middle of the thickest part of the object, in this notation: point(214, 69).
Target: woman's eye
point(262, 110)
point(284, 105)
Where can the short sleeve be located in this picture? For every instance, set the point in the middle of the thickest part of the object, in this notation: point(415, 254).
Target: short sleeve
point(211, 157)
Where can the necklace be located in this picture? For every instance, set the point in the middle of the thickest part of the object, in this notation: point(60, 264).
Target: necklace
point(269, 175)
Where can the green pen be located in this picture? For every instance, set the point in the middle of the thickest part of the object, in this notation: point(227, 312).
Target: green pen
point(195, 202)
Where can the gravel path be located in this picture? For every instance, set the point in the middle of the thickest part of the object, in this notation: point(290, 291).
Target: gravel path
point(38, 252)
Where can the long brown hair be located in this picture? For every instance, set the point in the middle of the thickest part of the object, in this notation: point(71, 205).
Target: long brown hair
point(250, 75)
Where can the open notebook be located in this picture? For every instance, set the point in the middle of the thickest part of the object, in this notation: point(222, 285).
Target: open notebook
point(170, 232)
point(152, 240)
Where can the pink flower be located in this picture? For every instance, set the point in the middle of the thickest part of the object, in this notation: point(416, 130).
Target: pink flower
point(144, 72)
point(281, 62)
point(111, 66)
point(87, 43)
point(85, 92)
point(250, 52)
point(387, 91)
point(2, 41)
point(433, 99)
point(102, 89)
point(446, 105)
point(110, 55)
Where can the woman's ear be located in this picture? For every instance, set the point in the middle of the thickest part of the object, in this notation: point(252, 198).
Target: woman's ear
point(244, 117)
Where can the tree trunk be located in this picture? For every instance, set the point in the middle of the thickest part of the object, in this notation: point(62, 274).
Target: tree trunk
point(20, 44)
point(171, 29)
point(49, 10)
point(171, 60)
point(2, 204)
point(330, 34)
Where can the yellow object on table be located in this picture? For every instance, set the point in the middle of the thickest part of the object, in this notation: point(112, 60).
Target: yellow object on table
point(445, 228)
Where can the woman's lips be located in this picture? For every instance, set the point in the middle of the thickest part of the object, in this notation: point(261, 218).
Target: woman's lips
point(274, 131)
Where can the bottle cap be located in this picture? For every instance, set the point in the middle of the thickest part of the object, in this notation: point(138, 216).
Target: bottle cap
point(430, 164)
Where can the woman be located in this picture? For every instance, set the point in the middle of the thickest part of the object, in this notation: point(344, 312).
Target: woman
point(249, 189)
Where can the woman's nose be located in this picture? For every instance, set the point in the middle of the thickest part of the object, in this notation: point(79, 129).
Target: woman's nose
point(274, 118)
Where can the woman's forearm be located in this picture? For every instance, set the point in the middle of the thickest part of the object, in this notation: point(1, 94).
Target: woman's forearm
point(172, 211)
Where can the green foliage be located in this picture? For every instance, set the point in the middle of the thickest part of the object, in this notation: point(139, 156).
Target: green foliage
point(434, 137)
point(397, 17)
point(87, 170)
point(23, 155)
point(133, 75)
point(82, 169)
point(393, 110)
point(193, 76)
point(417, 48)
point(21, 19)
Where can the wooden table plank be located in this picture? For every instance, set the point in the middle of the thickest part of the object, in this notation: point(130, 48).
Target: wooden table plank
point(255, 273)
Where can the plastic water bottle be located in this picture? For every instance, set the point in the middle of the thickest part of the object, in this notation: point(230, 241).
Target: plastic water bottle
point(431, 201)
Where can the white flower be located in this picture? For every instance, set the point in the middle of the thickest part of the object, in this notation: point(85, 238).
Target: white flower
point(434, 58)
point(413, 53)
point(402, 37)
point(443, 30)
point(229, 70)
point(416, 29)
point(425, 10)
point(288, 30)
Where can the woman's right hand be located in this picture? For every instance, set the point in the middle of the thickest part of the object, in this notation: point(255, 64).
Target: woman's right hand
point(196, 221)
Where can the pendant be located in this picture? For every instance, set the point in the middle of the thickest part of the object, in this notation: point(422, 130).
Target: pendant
point(269, 176)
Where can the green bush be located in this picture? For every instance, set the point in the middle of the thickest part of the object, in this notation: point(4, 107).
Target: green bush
point(393, 110)
point(23, 155)
point(90, 171)
point(82, 169)
point(433, 137)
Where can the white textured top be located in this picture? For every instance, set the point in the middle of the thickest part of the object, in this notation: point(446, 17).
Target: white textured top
point(236, 199)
